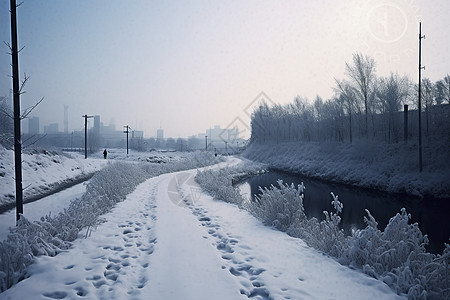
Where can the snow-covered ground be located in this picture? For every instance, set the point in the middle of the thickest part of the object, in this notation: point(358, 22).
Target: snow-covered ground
point(169, 240)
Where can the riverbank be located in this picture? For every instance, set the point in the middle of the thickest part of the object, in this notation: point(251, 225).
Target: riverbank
point(391, 168)
point(43, 172)
point(49, 190)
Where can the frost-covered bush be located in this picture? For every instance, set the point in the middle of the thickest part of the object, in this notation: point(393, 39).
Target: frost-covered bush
point(279, 206)
point(52, 234)
point(396, 255)
point(325, 235)
point(219, 183)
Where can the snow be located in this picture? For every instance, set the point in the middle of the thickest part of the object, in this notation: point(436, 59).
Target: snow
point(169, 240)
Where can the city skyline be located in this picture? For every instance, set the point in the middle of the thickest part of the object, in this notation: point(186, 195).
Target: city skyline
point(33, 126)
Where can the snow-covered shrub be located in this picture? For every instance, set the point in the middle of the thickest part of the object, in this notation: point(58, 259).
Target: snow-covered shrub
point(332, 238)
point(22, 244)
point(279, 206)
point(398, 257)
point(325, 235)
point(220, 183)
point(219, 187)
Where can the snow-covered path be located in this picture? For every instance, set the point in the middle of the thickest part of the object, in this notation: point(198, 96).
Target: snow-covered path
point(184, 265)
point(168, 240)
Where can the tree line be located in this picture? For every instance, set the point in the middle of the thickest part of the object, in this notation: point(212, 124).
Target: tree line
point(363, 106)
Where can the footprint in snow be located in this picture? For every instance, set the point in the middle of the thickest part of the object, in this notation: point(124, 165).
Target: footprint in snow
point(252, 286)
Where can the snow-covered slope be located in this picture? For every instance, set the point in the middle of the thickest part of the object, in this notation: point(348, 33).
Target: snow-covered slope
point(43, 171)
point(169, 240)
point(368, 164)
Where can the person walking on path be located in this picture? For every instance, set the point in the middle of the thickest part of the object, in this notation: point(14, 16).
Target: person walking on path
point(105, 153)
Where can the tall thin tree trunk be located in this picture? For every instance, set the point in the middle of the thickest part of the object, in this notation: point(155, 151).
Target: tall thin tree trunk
point(366, 133)
point(350, 119)
point(17, 131)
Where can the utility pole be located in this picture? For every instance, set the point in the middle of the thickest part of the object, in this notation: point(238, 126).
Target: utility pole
point(420, 95)
point(16, 100)
point(86, 117)
point(405, 123)
point(66, 119)
point(206, 143)
point(127, 130)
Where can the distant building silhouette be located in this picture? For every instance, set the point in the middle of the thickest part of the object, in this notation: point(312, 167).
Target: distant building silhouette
point(137, 134)
point(66, 119)
point(51, 128)
point(220, 134)
point(33, 125)
point(96, 128)
point(160, 134)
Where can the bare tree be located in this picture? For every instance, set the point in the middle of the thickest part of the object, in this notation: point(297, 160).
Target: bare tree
point(17, 91)
point(259, 123)
point(362, 73)
point(392, 92)
point(443, 90)
point(346, 95)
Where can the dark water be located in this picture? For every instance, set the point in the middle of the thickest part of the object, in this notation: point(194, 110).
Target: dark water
point(432, 215)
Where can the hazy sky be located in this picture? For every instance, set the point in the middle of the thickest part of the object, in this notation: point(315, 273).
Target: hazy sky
point(189, 65)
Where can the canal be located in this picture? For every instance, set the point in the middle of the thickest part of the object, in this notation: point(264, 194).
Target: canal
point(432, 215)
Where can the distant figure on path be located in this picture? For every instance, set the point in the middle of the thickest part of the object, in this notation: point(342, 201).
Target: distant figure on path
point(105, 153)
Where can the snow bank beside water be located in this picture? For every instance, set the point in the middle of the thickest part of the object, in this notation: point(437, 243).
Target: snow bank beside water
point(386, 167)
point(43, 171)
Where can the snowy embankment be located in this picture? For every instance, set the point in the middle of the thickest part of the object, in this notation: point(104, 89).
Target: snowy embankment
point(385, 167)
point(169, 240)
point(43, 172)
point(395, 255)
